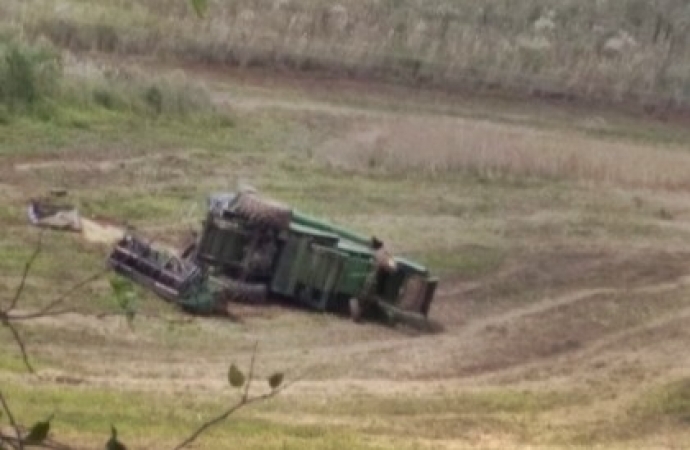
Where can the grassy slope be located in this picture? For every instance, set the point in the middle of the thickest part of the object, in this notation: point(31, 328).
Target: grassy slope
point(512, 235)
point(465, 225)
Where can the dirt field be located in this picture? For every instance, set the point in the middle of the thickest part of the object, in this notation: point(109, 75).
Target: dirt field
point(560, 236)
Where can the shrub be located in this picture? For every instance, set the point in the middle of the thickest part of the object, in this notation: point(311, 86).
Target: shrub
point(28, 75)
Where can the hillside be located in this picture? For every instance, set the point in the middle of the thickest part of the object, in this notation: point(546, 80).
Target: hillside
point(560, 232)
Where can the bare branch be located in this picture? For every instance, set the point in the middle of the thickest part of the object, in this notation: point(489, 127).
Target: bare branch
point(6, 318)
point(9, 440)
point(245, 400)
point(49, 309)
point(20, 344)
point(47, 444)
point(251, 373)
point(25, 274)
point(10, 417)
point(58, 301)
point(222, 417)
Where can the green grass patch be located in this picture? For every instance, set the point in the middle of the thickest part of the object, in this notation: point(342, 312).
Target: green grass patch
point(145, 421)
point(669, 403)
point(457, 415)
point(11, 360)
point(663, 410)
point(470, 261)
point(488, 402)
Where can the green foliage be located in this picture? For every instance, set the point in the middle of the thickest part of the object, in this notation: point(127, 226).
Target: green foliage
point(39, 432)
point(113, 443)
point(235, 377)
point(103, 97)
point(125, 295)
point(32, 83)
point(275, 380)
point(28, 75)
point(154, 99)
point(200, 7)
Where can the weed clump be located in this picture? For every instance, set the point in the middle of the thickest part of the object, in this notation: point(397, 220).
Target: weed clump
point(670, 402)
point(33, 82)
point(29, 75)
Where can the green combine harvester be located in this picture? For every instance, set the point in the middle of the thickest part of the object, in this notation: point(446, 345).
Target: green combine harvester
point(251, 249)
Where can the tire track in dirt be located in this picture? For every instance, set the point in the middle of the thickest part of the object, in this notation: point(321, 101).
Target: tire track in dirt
point(102, 165)
point(485, 346)
point(380, 354)
point(255, 103)
point(570, 298)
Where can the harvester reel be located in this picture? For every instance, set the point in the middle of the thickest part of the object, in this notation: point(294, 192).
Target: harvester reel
point(261, 211)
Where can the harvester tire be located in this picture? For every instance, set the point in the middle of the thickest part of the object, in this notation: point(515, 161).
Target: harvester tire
point(240, 292)
point(413, 295)
point(264, 212)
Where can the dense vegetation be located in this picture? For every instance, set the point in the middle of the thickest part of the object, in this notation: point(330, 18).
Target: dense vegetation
point(634, 51)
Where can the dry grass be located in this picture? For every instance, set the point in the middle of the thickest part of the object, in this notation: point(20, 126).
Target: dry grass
point(438, 146)
point(628, 50)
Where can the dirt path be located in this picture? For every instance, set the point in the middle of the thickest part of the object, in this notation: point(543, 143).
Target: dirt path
point(254, 103)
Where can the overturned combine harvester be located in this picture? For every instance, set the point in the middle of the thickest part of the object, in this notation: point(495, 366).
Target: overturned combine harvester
point(251, 249)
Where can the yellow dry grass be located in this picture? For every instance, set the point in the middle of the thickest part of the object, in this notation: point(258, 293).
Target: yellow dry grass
point(446, 145)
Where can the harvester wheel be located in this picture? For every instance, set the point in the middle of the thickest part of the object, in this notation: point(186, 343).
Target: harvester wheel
point(240, 292)
point(412, 296)
point(261, 211)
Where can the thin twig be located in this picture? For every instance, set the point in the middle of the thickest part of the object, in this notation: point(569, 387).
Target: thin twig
point(240, 404)
point(8, 440)
point(20, 344)
point(245, 400)
point(48, 444)
point(10, 417)
point(46, 311)
point(250, 376)
point(58, 301)
point(25, 274)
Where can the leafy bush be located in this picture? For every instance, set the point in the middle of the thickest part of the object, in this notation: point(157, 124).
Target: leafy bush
point(28, 75)
point(32, 81)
